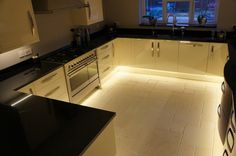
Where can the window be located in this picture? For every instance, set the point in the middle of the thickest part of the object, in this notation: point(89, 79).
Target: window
point(185, 11)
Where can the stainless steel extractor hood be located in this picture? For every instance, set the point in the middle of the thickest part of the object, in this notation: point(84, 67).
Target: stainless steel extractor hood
point(48, 6)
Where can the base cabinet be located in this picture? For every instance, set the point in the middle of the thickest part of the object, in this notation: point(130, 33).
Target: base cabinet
point(104, 145)
point(105, 55)
point(193, 57)
point(167, 55)
point(51, 86)
point(123, 51)
point(143, 52)
point(217, 58)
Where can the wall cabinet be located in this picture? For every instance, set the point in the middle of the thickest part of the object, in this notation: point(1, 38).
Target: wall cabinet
point(88, 15)
point(193, 57)
point(105, 55)
point(17, 24)
point(218, 53)
point(123, 52)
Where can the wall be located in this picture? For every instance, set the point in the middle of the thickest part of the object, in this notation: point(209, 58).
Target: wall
point(126, 13)
point(226, 17)
point(54, 33)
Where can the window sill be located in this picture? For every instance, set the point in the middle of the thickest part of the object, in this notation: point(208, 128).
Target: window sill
point(163, 25)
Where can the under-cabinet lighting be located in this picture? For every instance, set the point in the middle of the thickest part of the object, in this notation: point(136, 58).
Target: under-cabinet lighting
point(21, 100)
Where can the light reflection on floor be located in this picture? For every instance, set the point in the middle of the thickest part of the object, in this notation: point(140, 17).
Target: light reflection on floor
point(161, 115)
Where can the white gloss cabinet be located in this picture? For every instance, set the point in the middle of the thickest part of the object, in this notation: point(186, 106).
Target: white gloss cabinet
point(167, 55)
point(123, 51)
point(217, 58)
point(105, 55)
point(144, 53)
point(88, 15)
point(193, 57)
point(52, 85)
point(17, 24)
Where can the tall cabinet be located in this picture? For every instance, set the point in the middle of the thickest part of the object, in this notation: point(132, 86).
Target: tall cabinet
point(17, 24)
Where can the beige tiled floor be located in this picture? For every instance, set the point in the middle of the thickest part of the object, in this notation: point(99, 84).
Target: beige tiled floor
point(161, 116)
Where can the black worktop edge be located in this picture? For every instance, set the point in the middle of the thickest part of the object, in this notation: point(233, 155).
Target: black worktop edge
point(104, 127)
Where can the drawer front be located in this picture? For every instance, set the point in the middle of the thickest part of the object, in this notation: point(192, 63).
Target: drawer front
point(49, 79)
point(57, 90)
point(105, 71)
point(104, 51)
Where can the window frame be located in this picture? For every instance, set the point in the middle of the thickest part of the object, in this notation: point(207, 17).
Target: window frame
point(191, 11)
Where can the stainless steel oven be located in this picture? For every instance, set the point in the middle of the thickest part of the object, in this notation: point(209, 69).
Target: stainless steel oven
point(82, 76)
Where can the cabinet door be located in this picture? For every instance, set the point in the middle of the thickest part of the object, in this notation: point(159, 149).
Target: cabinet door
point(167, 55)
point(29, 89)
point(17, 24)
point(217, 57)
point(123, 51)
point(193, 57)
point(88, 15)
point(144, 53)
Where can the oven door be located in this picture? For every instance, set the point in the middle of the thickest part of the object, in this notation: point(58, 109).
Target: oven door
point(77, 80)
point(92, 70)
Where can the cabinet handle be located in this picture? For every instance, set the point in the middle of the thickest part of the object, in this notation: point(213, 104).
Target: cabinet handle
point(105, 47)
point(31, 22)
point(52, 91)
point(113, 49)
point(31, 91)
point(158, 49)
point(223, 87)
point(218, 110)
point(106, 57)
point(89, 10)
point(231, 147)
point(152, 49)
point(225, 153)
point(191, 44)
point(232, 121)
point(212, 49)
point(106, 69)
point(48, 78)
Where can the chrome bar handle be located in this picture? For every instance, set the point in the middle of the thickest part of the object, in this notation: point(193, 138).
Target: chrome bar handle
point(152, 49)
point(158, 49)
point(219, 110)
point(89, 10)
point(31, 22)
point(113, 49)
point(52, 91)
point(48, 78)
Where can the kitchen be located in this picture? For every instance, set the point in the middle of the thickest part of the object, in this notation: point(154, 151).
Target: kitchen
point(137, 66)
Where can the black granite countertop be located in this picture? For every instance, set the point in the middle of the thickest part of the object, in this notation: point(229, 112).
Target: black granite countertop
point(32, 125)
point(62, 128)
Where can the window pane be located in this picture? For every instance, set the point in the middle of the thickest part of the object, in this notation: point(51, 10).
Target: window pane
point(154, 8)
point(180, 10)
point(206, 8)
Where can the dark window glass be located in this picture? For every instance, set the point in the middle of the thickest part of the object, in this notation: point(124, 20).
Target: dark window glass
point(154, 8)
